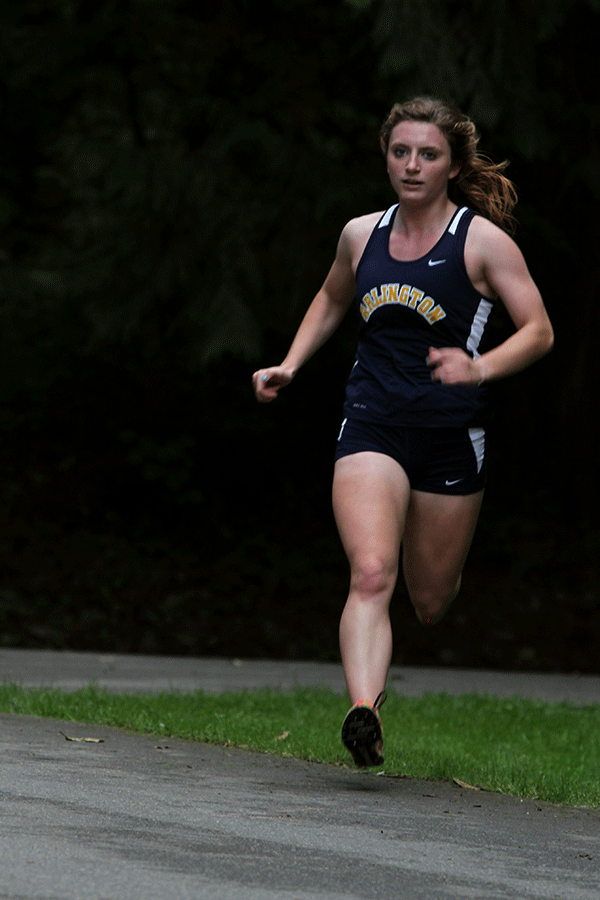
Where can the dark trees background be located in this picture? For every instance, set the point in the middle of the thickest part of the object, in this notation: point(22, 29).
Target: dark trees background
point(173, 179)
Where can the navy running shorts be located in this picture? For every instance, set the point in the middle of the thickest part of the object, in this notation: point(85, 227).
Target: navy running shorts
point(436, 460)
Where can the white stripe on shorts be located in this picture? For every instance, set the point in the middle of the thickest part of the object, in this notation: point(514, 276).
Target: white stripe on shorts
point(477, 436)
point(339, 437)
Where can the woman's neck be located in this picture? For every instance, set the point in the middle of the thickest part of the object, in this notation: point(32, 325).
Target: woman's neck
point(414, 221)
point(415, 231)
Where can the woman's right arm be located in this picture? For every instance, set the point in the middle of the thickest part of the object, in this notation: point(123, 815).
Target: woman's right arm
point(321, 320)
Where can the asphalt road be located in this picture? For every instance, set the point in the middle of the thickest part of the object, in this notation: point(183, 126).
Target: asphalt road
point(128, 817)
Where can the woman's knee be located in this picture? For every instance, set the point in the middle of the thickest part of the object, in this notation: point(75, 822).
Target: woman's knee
point(373, 578)
point(431, 602)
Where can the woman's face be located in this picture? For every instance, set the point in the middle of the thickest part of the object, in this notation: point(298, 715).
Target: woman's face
point(419, 162)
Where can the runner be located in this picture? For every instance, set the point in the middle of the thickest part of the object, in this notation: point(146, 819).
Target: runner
point(411, 455)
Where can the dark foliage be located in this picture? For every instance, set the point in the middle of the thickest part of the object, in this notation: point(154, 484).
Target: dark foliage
point(173, 179)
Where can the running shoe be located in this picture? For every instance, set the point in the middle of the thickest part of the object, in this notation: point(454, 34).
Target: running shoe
point(362, 733)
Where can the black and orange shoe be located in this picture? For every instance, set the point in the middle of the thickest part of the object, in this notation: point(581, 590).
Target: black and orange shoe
point(362, 733)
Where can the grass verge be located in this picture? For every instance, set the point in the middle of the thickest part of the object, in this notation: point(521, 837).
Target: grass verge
point(520, 747)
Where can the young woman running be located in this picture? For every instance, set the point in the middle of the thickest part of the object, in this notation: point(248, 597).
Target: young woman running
point(411, 455)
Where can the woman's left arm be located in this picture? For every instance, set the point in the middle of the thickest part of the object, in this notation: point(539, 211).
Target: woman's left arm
point(496, 267)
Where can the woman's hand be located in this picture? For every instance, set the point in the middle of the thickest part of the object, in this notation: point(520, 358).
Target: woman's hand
point(268, 382)
point(451, 365)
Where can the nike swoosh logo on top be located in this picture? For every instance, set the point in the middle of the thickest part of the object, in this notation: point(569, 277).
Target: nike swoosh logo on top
point(456, 480)
point(436, 262)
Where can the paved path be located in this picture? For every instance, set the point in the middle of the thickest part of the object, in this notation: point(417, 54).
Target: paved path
point(137, 817)
point(146, 674)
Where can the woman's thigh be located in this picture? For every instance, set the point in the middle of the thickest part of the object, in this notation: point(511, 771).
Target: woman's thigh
point(437, 538)
point(370, 500)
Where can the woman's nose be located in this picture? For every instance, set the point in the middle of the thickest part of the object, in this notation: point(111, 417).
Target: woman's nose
point(412, 162)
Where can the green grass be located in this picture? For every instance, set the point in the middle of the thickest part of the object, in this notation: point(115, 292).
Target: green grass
point(521, 747)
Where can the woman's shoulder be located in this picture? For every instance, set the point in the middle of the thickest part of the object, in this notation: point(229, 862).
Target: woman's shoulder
point(484, 238)
point(481, 228)
point(357, 232)
point(362, 224)
point(488, 250)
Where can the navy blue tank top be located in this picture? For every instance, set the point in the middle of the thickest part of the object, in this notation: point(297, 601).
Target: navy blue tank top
point(405, 308)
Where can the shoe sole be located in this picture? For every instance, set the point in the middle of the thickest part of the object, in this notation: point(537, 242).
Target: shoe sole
point(361, 732)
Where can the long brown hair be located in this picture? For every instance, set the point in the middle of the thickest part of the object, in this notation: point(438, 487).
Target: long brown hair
point(480, 184)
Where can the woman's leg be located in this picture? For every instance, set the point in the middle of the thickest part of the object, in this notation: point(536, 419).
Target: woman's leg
point(437, 538)
point(370, 501)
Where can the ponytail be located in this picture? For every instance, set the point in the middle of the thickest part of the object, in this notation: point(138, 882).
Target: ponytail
point(483, 187)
